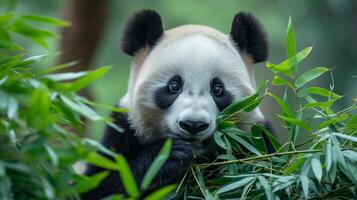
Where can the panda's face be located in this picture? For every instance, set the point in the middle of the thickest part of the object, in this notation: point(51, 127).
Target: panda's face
point(184, 84)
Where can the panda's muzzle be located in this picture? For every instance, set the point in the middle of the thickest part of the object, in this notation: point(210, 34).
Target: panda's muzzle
point(193, 127)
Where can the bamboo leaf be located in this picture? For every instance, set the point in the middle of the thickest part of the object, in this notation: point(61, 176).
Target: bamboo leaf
point(347, 137)
point(217, 136)
point(84, 81)
point(286, 110)
point(258, 138)
point(278, 80)
point(127, 176)
point(246, 144)
point(316, 168)
point(101, 161)
point(91, 182)
point(45, 19)
point(156, 164)
point(235, 185)
point(310, 75)
point(161, 193)
point(305, 186)
point(297, 122)
point(290, 42)
point(239, 105)
point(266, 187)
point(286, 66)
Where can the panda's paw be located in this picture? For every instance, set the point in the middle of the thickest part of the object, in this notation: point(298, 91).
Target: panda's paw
point(182, 150)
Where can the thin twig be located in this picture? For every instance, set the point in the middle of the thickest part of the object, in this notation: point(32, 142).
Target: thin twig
point(258, 157)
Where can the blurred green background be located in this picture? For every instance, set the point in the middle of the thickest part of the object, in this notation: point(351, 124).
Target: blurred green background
point(330, 26)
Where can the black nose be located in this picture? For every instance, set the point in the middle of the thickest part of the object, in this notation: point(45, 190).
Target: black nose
point(193, 126)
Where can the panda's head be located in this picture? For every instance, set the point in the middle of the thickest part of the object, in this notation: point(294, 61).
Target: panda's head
point(183, 77)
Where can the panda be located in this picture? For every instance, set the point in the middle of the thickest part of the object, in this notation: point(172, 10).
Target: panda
point(180, 80)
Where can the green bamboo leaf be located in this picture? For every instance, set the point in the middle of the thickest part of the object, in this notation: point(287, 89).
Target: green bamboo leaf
point(127, 176)
point(21, 27)
point(286, 66)
point(156, 164)
point(349, 154)
point(272, 138)
point(45, 19)
point(65, 76)
point(310, 75)
point(217, 136)
point(323, 105)
point(305, 186)
point(90, 183)
point(347, 137)
point(10, 46)
point(333, 121)
point(286, 110)
point(295, 121)
point(5, 18)
point(101, 161)
point(246, 189)
point(53, 156)
point(235, 185)
point(316, 168)
point(241, 141)
point(57, 67)
point(278, 80)
point(258, 138)
point(81, 109)
point(115, 197)
point(328, 153)
point(352, 124)
point(295, 165)
point(264, 182)
point(84, 81)
point(319, 91)
point(338, 154)
point(290, 42)
point(238, 105)
point(283, 185)
point(251, 106)
point(161, 193)
point(12, 107)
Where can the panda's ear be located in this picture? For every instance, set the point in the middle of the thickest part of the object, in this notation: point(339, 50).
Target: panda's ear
point(249, 37)
point(143, 29)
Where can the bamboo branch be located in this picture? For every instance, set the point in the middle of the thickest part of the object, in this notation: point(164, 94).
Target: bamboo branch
point(258, 157)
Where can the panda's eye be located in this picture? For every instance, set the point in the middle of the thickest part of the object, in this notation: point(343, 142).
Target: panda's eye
point(217, 89)
point(174, 87)
point(175, 84)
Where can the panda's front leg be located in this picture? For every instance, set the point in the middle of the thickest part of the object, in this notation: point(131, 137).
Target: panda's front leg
point(180, 159)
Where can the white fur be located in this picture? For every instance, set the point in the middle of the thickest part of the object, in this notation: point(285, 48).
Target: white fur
point(198, 58)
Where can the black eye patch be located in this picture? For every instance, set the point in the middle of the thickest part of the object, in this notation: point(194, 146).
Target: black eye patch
point(164, 96)
point(225, 98)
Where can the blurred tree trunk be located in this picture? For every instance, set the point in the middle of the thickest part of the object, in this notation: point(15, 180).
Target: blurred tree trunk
point(80, 40)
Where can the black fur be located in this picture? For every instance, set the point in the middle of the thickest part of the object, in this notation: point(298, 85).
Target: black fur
point(139, 156)
point(163, 97)
point(223, 100)
point(249, 36)
point(143, 29)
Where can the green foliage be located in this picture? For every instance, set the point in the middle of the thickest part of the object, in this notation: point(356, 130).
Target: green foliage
point(38, 149)
point(39, 115)
point(323, 165)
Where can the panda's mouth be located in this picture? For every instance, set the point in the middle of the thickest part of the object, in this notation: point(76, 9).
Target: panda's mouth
point(194, 141)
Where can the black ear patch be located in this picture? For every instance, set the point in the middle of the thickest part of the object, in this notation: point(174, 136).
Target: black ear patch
point(143, 28)
point(249, 36)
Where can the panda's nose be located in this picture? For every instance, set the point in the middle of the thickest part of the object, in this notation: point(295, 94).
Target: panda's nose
point(193, 127)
